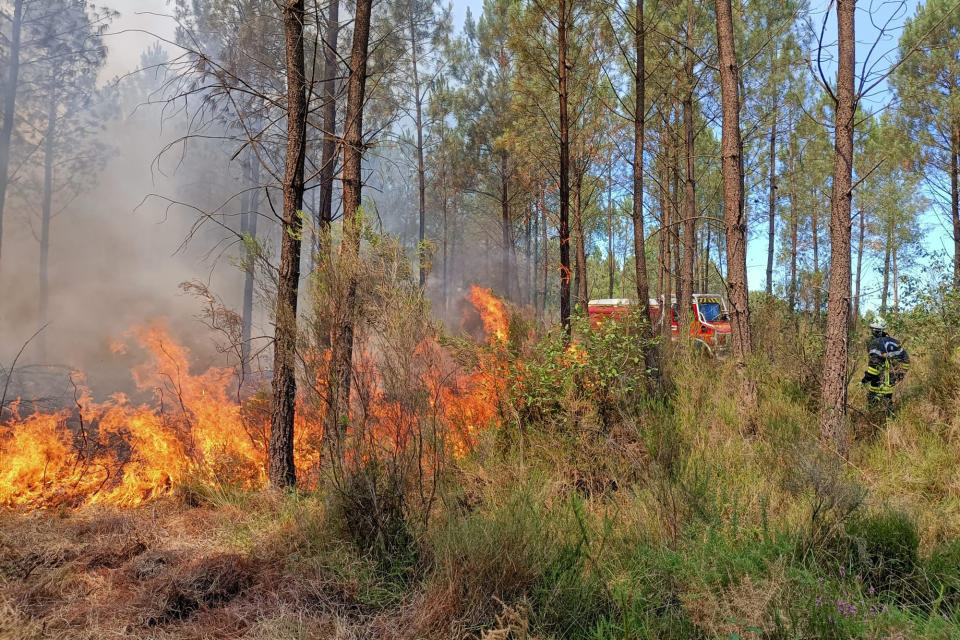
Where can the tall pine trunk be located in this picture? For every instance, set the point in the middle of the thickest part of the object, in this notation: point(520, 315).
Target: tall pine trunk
point(49, 148)
point(772, 197)
point(734, 219)
point(666, 285)
point(954, 199)
point(580, 237)
point(639, 135)
point(421, 171)
point(564, 225)
point(506, 227)
point(834, 390)
point(856, 295)
point(249, 231)
point(9, 104)
point(690, 196)
point(341, 357)
point(886, 272)
point(545, 261)
point(281, 467)
point(328, 160)
point(611, 262)
point(794, 222)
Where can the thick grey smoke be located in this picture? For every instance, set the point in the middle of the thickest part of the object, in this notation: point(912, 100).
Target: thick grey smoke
point(116, 259)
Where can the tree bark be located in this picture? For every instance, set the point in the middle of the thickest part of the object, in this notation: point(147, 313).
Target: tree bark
point(281, 467)
point(329, 152)
point(250, 232)
point(611, 262)
point(580, 237)
point(564, 225)
point(506, 227)
point(545, 262)
point(896, 284)
point(856, 295)
point(772, 197)
point(690, 196)
point(817, 284)
point(639, 135)
point(834, 397)
point(954, 200)
point(734, 219)
point(421, 171)
point(49, 147)
point(527, 275)
point(444, 211)
point(794, 223)
point(886, 271)
point(9, 105)
point(341, 358)
point(666, 298)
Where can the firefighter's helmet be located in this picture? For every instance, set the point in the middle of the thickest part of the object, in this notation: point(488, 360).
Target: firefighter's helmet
point(878, 324)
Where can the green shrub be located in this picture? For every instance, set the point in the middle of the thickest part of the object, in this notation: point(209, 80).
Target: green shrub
point(882, 548)
point(522, 549)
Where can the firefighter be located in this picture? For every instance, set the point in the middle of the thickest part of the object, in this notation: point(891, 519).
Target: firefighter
point(887, 364)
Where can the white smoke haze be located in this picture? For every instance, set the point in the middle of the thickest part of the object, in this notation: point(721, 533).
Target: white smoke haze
point(117, 256)
point(120, 250)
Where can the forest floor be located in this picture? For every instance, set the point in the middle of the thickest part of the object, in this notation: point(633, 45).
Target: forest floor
point(690, 515)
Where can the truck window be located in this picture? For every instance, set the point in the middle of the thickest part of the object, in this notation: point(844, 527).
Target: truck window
point(711, 311)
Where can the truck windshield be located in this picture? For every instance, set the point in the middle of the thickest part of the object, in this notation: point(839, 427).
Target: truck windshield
point(711, 311)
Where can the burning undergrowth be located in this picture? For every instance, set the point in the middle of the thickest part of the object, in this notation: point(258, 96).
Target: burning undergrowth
point(197, 427)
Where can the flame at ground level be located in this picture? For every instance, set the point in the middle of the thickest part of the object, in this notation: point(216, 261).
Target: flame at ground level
point(125, 453)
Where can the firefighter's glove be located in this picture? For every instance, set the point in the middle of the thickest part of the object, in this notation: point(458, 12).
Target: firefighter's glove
point(864, 380)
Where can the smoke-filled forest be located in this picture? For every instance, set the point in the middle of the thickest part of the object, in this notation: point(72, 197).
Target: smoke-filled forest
point(512, 319)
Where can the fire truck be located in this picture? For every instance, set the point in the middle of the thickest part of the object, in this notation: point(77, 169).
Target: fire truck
point(709, 322)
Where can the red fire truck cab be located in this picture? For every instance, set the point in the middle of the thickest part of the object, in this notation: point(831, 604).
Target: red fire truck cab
point(709, 323)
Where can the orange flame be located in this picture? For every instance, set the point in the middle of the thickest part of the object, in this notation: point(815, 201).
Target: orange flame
point(197, 429)
point(492, 312)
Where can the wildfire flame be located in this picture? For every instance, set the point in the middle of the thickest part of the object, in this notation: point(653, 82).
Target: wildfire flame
point(492, 312)
point(196, 428)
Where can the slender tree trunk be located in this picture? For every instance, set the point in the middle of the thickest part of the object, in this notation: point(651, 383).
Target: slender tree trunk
point(250, 232)
point(506, 226)
point(534, 269)
point(896, 283)
point(817, 284)
point(611, 261)
point(49, 147)
point(856, 295)
point(580, 236)
point(544, 242)
point(328, 160)
point(341, 358)
point(886, 272)
point(9, 104)
point(690, 195)
point(772, 198)
point(527, 292)
point(838, 311)
point(794, 223)
point(734, 219)
point(639, 135)
point(564, 225)
point(281, 466)
point(444, 201)
point(421, 171)
point(666, 284)
point(705, 267)
point(954, 200)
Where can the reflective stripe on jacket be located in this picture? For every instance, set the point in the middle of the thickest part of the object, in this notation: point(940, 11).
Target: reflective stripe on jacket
point(888, 361)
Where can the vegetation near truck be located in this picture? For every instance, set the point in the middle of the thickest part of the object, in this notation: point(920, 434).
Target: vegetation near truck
point(491, 320)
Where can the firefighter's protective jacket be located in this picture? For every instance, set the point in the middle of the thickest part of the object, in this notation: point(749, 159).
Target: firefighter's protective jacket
point(888, 362)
